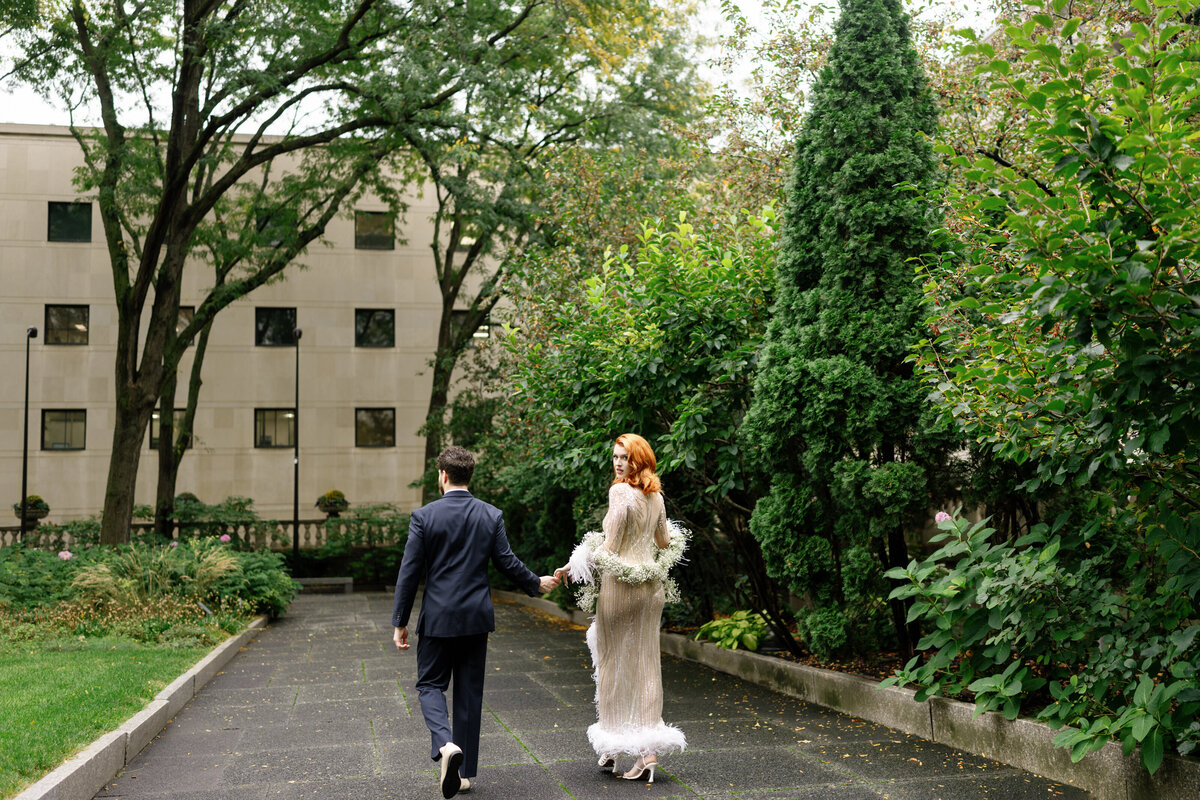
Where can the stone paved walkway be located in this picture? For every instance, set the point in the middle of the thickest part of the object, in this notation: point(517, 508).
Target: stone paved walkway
point(322, 706)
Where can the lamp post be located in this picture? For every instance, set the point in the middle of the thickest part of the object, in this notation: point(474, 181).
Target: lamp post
point(30, 334)
point(296, 457)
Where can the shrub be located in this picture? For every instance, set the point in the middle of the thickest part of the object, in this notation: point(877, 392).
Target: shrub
point(33, 502)
point(333, 500)
point(740, 629)
point(261, 585)
point(1014, 620)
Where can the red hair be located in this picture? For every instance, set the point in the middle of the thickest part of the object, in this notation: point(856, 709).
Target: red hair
point(642, 464)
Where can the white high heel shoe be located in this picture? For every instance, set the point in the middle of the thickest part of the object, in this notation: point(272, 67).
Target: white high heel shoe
point(608, 762)
point(639, 769)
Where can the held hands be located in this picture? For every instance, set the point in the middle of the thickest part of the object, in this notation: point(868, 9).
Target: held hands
point(549, 583)
point(561, 574)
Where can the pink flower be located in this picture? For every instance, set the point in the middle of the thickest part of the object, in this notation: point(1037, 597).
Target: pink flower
point(65, 555)
point(225, 537)
point(174, 544)
point(942, 516)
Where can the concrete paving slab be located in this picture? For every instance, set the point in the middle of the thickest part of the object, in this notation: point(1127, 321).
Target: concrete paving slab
point(287, 762)
point(525, 781)
point(314, 708)
point(586, 781)
point(228, 793)
point(149, 775)
point(717, 772)
point(831, 792)
point(1012, 786)
point(898, 759)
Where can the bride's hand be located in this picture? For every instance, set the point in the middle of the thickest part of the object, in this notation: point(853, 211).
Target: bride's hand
point(561, 574)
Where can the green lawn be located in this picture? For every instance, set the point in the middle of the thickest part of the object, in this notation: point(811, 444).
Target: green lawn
point(55, 698)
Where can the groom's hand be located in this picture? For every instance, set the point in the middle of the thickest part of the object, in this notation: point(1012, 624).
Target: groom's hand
point(400, 637)
point(549, 584)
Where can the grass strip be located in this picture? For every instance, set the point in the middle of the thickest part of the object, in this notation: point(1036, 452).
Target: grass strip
point(56, 697)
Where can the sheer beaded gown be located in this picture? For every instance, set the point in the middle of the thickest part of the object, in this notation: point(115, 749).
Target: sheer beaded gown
point(623, 637)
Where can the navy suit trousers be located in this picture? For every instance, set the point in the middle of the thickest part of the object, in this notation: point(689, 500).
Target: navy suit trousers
point(461, 659)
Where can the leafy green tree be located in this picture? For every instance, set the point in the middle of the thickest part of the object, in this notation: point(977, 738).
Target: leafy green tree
point(1067, 315)
point(549, 90)
point(232, 132)
point(660, 340)
point(838, 424)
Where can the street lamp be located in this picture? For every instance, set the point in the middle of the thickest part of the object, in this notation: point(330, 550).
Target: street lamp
point(296, 457)
point(30, 334)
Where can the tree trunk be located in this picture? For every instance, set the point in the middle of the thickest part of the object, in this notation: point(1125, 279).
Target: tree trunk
point(897, 553)
point(176, 443)
point(129, 430)
point(168, 464)
point(435, 421)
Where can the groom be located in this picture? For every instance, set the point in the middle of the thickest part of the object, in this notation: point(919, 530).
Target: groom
point(450, 542)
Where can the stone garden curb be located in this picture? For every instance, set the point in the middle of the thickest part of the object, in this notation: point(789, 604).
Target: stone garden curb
point(1024, 743)
point(86, 772)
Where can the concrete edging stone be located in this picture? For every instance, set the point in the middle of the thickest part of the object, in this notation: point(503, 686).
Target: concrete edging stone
point(86, 772)
point(1024, 743)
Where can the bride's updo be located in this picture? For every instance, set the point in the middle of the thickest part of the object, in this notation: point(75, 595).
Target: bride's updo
point(642, 464)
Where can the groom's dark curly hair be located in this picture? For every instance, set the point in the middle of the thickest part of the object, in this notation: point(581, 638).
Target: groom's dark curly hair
point(458, 463)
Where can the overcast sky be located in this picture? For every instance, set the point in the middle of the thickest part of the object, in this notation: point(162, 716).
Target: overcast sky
point(22, 105)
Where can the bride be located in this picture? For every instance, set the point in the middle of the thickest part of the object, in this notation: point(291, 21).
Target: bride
point(630, 557)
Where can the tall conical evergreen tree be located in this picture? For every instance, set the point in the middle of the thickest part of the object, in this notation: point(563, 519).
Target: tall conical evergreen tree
point(838, 422)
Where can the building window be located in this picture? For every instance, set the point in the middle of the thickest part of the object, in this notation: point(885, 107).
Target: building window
point(275, 327)
point(484, 331)
point(274, 427)
point(64, 430)
point(186, 315)
point(374, 427)
point(275, 227)
point(374, 327)
point(69, 222)
point(176, 421)
point(66, 324)
point(374, 230)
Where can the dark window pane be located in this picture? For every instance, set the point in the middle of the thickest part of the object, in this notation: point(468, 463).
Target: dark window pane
point(275, 227)
point(459, 318)
point(374, 327)
point(67, 324)
point(374, 230)
point(64, 430)
point(186, 315)
point(374, 427)
point(274, 427)
point(275, 327)
point(177, 421)
point(69, 222)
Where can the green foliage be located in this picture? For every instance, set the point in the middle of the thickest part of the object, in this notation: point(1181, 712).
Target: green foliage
point(1012, 621)
point(1067, 316)
point(197, 519)
point(838, 425)
point(260, 585)
point(30, 577)
point(333, 500)
point(366, 545)
point(660, 340)
point(137, 575)
point(743, 629)
point(142, 591)
point(33, 502)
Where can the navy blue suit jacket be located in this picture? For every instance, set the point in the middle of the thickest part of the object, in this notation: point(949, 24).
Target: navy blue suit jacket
point(450, 542)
